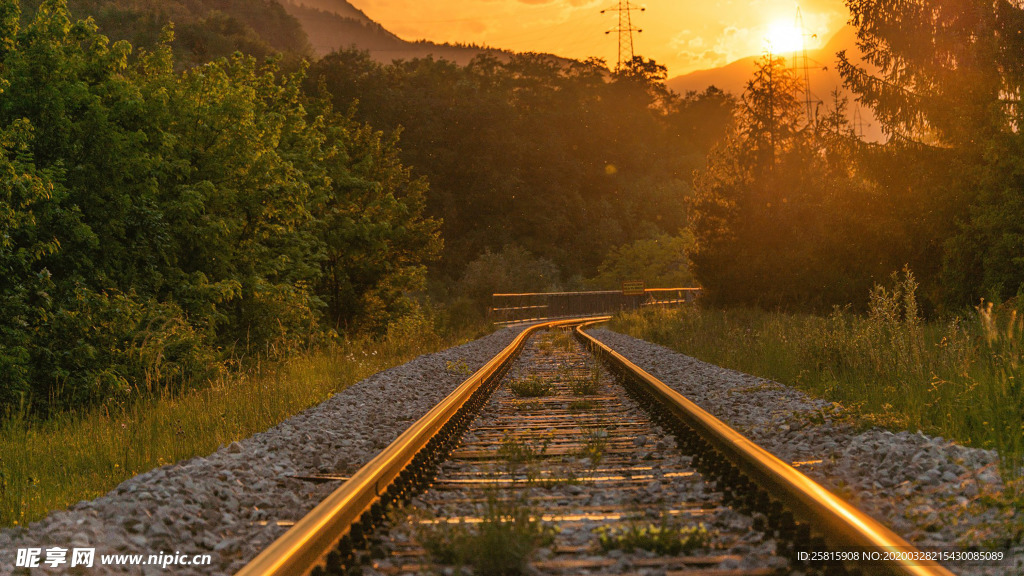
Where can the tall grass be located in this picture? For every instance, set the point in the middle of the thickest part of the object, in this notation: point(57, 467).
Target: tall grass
point(52, 464)
point(961, 379)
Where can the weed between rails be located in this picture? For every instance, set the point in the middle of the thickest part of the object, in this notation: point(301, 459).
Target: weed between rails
point(662, 539)
point(556, 339)
point(499, 545)
point(580, 406)
point(587, 384)
point(595, 442)
point(517, 455)
point(531, 387)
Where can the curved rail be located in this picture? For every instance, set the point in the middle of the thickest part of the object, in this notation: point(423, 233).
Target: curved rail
point(307, 543)
point(841, 525)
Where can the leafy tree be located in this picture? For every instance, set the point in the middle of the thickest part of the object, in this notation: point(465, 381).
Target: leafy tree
point(782, 215)
point(660, 262)
point(371, 225)
point(155, 223)
point(511, 270)
point(946, 86)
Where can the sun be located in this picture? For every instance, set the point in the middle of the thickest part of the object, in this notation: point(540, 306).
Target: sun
point(783, 37)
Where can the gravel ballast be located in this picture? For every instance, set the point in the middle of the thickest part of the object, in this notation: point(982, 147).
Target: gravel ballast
point(228, 504)
point(930, 490)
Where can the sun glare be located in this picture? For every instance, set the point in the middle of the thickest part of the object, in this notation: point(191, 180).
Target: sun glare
point(783, 37)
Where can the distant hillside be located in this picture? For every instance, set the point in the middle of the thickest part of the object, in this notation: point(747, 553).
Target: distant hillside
point(204, 29)
point(334, 24)
point(824, 77)
point(337, 7)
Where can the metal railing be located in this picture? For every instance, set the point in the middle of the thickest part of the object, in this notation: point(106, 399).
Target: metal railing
point(537, 306)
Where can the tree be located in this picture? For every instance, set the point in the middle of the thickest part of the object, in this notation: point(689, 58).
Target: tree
point(781, 215)
point(520, 150)
point(660, 262)
point(947, 89)
point(155, 223)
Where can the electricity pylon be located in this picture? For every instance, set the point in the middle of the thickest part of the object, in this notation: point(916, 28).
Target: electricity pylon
point(805, 66)
point(625, 30)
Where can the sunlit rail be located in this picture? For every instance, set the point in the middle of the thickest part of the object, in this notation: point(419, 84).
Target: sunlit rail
point(327, 536)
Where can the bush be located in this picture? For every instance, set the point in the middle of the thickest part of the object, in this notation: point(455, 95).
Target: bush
point(660, 262)
point(511, 270)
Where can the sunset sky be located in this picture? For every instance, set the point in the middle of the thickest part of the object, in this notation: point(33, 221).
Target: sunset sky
point(683, 35)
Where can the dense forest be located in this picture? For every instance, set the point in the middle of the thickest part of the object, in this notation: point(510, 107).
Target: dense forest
point(178, 198)
point(564, 159)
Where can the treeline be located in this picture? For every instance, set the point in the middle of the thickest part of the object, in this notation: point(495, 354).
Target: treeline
point(533, 159)
point(795, 214)
point(155, 223)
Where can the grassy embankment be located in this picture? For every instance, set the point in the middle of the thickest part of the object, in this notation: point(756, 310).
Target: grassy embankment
point(50, 465)
point(962, 379)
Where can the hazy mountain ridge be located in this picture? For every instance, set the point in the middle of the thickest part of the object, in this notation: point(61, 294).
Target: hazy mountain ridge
point(337, 24)
point(824, 77)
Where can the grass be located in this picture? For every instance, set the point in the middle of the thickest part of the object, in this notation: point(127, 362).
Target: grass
point(578, 406)
point(586, 384)
point(593, 447)
point(499, 545)
point(517, 455)
point(49, 465)
point(961, 378)
point(556, 339)
point(531, 387)
point(662, 539)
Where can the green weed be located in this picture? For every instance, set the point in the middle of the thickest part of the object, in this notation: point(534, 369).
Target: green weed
point(457, 367)
point(527, 405)
point(594, 445)
point(517, 455)
point(661, 539)
point(556, 339)
point(586, 384)
point(531, 387)
point(500, 545)
point(577, 406)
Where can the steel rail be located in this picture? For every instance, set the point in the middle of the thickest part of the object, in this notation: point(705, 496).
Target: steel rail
point(593, 292)
point(841, 525)
point(304, 546)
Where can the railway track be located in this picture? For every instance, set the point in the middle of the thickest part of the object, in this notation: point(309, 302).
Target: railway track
point(561, 457)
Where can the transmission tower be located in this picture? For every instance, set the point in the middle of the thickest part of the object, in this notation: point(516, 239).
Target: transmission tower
point(804, 63)
point(858, 123)
point(625, 30)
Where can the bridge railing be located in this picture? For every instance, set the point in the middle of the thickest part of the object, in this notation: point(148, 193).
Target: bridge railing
point(535, 306)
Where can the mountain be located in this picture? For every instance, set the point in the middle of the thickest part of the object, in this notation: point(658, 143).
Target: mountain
point(824, 78)
point(334, 24)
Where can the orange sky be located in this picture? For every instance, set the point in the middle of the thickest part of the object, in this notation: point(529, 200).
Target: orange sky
point(684, 35)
